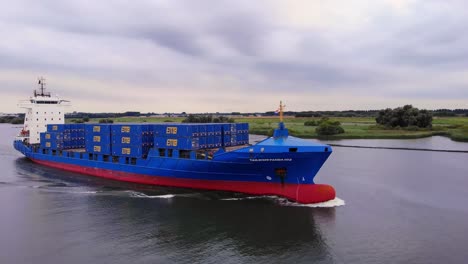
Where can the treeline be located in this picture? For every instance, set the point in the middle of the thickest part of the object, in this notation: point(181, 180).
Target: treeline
point(83, 115)
point(12, 119)
point(348, 113)
point(450, 112)
point(207, 119)
point(371, 113)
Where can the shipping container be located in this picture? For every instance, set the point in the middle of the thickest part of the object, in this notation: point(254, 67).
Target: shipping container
point(97, 128)
point(133, 139)
point(184, 143)
point(132, 129)
point(99, 138)
point(55, 127)
point(52, 145)
point(179, 130)
point(213, 141)
point(99, 148)
point(242, 139)
point(130, 151)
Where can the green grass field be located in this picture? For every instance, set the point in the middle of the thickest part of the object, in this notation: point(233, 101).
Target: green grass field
point(355, 128)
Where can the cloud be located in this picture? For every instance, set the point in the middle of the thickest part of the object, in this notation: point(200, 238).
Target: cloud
point(198, 56)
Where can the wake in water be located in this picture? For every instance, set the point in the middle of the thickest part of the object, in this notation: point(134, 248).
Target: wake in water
point(285, 202)
point(135, 194)
point(332, 203)
point(202, 196)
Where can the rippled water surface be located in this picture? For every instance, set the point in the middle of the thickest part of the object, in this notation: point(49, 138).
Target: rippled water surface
point(394, 207)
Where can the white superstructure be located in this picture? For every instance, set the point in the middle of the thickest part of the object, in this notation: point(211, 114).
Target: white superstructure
point(41, 109)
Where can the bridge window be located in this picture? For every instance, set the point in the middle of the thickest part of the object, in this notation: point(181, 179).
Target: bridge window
point(292, 149)
point(169, 152)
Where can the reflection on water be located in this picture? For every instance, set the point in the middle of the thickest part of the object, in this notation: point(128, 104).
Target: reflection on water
point(205, 226)
point(436, 142)
point(401, 207)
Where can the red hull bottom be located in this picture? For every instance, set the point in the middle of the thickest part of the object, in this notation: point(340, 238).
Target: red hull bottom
point(301, 193)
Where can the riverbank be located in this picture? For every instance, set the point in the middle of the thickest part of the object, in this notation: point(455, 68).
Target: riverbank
point(455, 128)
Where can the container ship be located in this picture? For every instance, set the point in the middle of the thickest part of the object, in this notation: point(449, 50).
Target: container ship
point(187, 155)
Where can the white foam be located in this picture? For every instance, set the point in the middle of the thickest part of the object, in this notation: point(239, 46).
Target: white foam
point(332, 203)
point(142, 195)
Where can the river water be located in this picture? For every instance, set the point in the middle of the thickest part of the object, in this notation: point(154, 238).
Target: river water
point(394, 206)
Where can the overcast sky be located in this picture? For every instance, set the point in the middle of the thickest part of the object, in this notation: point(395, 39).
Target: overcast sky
point(223, 56)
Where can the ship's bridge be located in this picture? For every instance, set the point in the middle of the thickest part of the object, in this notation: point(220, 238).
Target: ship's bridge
point(41, 109)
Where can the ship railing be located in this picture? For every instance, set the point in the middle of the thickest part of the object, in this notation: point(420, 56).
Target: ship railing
point(24, 103)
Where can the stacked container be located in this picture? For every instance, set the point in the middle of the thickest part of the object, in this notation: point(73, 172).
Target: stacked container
point(98, 139)
point(132, 140)
point(63, 136)
point(235, 134)
point(200, 136)
point(180, 136)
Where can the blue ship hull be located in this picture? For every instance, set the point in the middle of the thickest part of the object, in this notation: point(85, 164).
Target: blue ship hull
point(282, 165)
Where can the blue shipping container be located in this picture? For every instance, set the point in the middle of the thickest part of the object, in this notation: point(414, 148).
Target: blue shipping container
point(179, 130)
point(185, 143)
point(130, 151)
point(98, 138)
point(133, 139)
point(98, 128)
point(99, 148)
point(55, 127)
point(131, 129)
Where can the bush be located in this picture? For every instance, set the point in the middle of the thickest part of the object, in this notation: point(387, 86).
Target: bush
point(106, 121)
point(404, 117)
point(311, 123)
point(327, 128)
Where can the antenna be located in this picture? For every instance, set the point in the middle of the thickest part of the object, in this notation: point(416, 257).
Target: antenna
point(41, 82)
point(281, 111)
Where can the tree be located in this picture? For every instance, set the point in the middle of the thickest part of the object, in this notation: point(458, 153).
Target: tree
point(404, 117)
point(327, 127)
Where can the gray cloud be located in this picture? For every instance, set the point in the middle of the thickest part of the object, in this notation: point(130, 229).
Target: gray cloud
point(416, 51)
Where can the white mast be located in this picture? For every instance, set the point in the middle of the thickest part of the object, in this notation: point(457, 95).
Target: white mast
point(41, 109)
